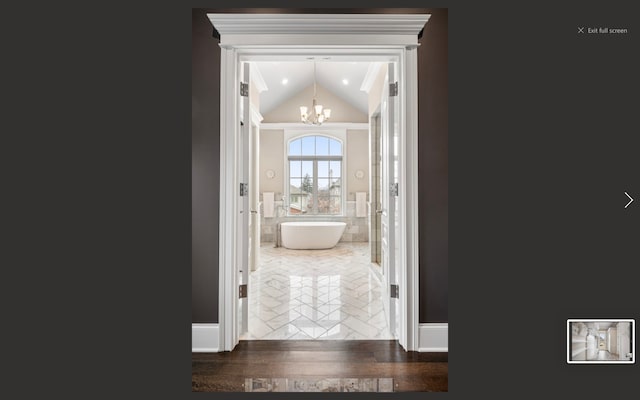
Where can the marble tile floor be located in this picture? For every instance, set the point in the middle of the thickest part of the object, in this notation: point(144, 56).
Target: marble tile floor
point(316, 295)
point(605, 355)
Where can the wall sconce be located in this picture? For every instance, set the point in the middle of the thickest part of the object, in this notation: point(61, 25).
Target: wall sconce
point(270, 174)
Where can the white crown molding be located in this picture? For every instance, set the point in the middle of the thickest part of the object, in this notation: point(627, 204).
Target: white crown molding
point(256, 77)
point(337, 24)
point(302, 126)
point(256, 117)
point(204, 338)
point(318, 29)
point(433, 337)
point(370, 77)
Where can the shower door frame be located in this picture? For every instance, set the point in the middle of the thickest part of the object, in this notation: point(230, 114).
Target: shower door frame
point(360, 39)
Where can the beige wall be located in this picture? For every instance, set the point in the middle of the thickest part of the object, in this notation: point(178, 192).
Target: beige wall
point(289, 110)
point(357, 158)
point(375, 94)
point(272, 152)
point(272, 157)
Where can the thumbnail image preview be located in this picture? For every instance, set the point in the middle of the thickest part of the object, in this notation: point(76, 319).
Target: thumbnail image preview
point(600, 341)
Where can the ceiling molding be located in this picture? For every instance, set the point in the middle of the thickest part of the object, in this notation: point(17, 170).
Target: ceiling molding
point(313, 29)
point(257, 78)
point(325, 126)
point(255, 115)
point(363, 24)
point(370, 77)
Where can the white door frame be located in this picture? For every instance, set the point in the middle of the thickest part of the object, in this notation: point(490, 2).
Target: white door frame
point(372, 37)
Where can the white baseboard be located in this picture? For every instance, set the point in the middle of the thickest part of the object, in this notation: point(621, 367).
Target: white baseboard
point(204, 338)
point(433, 337)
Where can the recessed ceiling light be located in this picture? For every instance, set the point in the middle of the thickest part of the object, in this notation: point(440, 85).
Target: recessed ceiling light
point(285, 81)
point(345, 81)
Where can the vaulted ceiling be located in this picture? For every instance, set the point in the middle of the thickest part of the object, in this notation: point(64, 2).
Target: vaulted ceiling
point(603, 325)
point(285, 79)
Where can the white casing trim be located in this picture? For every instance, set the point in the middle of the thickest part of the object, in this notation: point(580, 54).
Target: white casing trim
point(434, 337)
point(229, 181)
point(204, 338)
point(409, 192)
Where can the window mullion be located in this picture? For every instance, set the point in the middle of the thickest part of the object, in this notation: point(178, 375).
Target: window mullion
point(315, 186)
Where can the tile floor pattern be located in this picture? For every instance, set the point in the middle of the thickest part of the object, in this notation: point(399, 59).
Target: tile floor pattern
point(605, 355)
point(316, 294)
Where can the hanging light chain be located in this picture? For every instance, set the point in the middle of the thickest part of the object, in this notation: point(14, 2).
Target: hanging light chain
point(314, 116)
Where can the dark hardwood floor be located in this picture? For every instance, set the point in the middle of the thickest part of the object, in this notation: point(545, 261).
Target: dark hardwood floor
point(411, 371)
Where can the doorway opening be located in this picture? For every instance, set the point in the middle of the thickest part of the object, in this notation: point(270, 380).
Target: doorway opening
point(301, 287)
point(338, 38)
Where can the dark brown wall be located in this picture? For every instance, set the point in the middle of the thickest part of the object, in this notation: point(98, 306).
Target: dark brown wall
point(432, 167)
point(205, 166)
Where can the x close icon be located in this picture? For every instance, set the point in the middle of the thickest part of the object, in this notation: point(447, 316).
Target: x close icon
point(581, 30)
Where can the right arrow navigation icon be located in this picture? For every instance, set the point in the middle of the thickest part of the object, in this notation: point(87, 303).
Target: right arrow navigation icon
point(630, 199)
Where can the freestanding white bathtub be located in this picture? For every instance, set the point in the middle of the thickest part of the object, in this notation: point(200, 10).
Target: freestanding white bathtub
point(311, 234)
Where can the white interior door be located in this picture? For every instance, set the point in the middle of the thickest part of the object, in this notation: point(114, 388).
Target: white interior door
point(254, 197)
point(243, 200)
point(376, 194)
point(397, 266)
point(624, 336)
point(389, 218)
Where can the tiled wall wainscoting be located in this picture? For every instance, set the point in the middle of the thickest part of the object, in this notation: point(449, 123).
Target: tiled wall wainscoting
point(357, 229)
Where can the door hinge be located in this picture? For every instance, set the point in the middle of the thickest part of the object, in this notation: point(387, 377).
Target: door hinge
point(393, 189)
point(395, 291)
point(244, 89)
point(244, 189)
point(393, 89)
point(243, 291)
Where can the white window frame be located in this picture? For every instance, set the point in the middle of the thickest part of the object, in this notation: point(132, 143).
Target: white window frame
point(336, 134)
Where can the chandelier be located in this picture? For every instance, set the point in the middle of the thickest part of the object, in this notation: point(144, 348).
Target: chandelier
point(316, 115)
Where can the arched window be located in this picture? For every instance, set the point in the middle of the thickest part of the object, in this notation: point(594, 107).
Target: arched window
point(315, 175)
